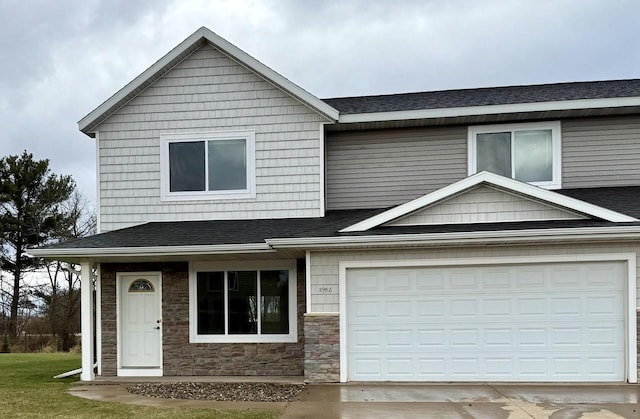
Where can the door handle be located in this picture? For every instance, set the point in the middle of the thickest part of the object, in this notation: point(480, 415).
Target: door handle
point(157, 327)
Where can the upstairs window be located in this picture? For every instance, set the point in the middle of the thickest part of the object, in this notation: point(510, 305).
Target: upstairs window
point(216, 165)
point(526, 152)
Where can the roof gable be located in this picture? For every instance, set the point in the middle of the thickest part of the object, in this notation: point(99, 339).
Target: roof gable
point(485, 204)
point(179, 53)
point(525, 191)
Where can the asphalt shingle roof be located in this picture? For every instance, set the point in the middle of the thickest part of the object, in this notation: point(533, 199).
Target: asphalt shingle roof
point(217, 232)
point(507, 95)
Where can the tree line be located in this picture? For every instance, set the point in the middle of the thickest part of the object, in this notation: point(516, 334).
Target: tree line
point(37, 208)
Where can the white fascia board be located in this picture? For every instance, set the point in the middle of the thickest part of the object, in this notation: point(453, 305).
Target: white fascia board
point(229, 49)
point(152, 251)
point(462, 238)
point(496, 180)
point(490, 110)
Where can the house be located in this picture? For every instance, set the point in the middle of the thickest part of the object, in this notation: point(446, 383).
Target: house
point(247, 227)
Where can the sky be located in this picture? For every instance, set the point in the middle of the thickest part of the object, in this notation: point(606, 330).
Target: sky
point(61, 59)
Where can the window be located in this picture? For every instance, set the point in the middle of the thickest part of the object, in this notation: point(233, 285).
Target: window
point(216, 165)
point(526, 152)
point(250, 303)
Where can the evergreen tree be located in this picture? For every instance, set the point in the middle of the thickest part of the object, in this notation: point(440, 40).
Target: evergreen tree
point(31, 214)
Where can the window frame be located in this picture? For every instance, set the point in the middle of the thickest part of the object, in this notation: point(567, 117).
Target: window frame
point(195, 267)
point(248, 193)
point(556, 141)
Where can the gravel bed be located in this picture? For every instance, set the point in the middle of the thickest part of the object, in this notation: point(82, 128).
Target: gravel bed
point(241, 392)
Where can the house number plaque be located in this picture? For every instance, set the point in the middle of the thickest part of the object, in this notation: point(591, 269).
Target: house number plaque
point(325, 289)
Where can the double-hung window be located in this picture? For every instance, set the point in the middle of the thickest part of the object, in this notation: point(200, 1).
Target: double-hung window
point(529, 152)
point(248, 303)
point(215, 165)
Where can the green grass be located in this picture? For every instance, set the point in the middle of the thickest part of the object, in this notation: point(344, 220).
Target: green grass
point(27, 390)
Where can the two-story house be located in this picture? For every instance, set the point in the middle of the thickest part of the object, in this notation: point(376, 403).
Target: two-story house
point(248, 227)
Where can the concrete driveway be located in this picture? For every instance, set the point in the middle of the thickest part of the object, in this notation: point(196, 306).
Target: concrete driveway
point(466, 401)
point(390, 401)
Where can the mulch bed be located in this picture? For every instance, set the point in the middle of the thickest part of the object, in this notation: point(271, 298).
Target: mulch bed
point(242, 392)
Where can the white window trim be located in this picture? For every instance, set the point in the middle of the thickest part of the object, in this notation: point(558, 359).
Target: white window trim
point(195, 267)
point(556, 140)
point(248, 193)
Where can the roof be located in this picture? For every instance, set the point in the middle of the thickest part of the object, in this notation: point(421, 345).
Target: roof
point(486, 96)
point(239, 232)
point(179, 53)
point(217, 232)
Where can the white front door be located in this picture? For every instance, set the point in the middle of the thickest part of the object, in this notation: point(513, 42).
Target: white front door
point(140, 323)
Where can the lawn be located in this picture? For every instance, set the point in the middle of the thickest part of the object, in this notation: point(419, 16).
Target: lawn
point(27, 390)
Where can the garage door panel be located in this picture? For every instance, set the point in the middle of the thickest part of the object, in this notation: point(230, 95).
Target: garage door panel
point(426, 281)
point(463, 280)
point(396, 281)
point(463, 308)
point(511, 323)
point(430, 310)
point(496, 279)
point(497, 308)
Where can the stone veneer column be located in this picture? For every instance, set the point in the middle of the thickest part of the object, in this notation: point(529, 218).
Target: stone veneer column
point(321, 348)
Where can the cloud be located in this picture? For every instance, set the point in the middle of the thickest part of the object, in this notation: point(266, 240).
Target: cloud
point(62, 59)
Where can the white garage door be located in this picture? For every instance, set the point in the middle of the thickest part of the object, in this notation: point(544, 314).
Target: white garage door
point(534, 322)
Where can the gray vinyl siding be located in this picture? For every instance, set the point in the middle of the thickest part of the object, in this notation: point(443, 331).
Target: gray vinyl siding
point(208, 92)
point(601, 152)
point(380, 168)
point(324, 280)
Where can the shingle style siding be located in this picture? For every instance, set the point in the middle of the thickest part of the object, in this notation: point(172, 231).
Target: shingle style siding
point(485, 204)
point(204, 93)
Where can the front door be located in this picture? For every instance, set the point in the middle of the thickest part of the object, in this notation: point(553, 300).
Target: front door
point(140, 323)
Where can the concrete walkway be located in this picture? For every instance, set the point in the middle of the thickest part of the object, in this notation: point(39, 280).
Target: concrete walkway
point(356, 401)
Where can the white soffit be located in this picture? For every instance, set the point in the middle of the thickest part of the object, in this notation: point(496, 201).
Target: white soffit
point(517, 187)
point(161, 66)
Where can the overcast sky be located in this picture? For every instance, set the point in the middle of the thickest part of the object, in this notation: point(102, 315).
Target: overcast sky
point(60, 59)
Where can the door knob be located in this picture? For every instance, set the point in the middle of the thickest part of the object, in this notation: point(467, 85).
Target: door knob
point(157, 327)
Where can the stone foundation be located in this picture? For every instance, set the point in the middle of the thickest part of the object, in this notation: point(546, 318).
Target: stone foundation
point(322, 348)
point(183, 358)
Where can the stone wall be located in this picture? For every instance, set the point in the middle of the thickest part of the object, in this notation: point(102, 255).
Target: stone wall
point(183, 358)
point(321, 348)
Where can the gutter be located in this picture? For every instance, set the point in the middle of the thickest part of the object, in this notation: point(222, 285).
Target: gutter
point(153, 250)
point(562, 105)
point(461, 238)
